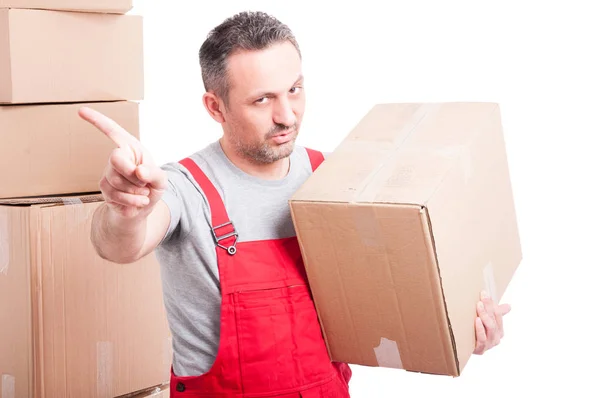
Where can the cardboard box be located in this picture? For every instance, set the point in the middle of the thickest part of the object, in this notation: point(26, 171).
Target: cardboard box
point(402, 227)
point(101, 6)
point(59, 56)
point(50, 150)
point(161, 391)
point(74, 325)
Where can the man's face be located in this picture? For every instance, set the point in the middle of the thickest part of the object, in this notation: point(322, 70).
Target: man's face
point(266, 102)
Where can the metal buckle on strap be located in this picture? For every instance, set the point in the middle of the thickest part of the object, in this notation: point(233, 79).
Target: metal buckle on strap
point(231, 249)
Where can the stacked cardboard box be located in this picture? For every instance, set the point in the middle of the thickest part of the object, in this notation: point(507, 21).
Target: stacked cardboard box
point(402, 227)
point(73, 324)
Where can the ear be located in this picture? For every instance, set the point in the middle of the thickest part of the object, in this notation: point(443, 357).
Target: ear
point(214, 106)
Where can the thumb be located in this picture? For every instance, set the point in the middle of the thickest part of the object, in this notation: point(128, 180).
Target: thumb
point(152, 175)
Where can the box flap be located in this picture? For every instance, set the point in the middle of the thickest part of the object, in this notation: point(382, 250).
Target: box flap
point(398, 153)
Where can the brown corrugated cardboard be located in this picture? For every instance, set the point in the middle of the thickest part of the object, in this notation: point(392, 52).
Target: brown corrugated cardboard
point(50, 150)
point(101, 6)
point(60, 56)
point(161, 391)
point(402, 227)
point(74, 325)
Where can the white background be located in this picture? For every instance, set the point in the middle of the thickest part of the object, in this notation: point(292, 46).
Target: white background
point(539, 61)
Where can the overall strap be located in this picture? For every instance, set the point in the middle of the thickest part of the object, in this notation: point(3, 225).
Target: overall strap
point(222, 228)
point(316, 158)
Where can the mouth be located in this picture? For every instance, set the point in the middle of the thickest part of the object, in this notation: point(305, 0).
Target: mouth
point(283, 133)
point(283, 137)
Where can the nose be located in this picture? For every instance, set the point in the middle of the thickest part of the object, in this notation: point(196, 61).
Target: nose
point(283, 113)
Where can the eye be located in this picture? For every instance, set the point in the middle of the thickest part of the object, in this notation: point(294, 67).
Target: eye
point(295, 89)
point(261, 100)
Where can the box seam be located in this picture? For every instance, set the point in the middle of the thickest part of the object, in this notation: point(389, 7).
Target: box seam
point(426, 220)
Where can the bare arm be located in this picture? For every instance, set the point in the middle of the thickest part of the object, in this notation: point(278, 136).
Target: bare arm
point(123, 240)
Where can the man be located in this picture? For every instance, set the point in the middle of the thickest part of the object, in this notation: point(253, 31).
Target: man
point(242, 319)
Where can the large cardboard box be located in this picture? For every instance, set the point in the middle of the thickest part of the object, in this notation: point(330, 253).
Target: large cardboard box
point(402, 227)
point(73, 324)
point(50, 150)
point(51, 56)
point(102, 6)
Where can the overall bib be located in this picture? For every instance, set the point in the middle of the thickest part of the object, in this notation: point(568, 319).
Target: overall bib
point(271, 343)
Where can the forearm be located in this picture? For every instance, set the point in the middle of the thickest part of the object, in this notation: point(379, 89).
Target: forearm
point(116, 238)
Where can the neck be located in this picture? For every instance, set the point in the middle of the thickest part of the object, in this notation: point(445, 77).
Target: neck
point(267, 171)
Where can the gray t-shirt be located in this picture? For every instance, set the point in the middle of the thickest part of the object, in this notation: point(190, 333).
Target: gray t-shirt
point(259, 210)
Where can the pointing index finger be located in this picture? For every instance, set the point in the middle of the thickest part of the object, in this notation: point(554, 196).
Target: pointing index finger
point(108, 126)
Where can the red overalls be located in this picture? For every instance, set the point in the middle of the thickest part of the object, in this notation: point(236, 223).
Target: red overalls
point(271, 343)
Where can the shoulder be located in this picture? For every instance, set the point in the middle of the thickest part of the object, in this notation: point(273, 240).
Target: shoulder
point(180, 177)
point(304, 154)
point(184, 197)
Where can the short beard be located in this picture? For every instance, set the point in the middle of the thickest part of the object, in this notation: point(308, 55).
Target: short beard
point(263, 153)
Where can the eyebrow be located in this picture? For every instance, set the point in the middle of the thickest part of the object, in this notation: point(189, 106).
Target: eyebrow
point(261, 94)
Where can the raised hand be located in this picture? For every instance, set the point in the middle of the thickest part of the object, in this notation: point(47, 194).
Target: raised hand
point(132, 183)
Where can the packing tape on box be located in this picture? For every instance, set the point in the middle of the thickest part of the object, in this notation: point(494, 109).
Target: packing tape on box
point(364, 195)
point(8, 386)
point(366, 226)
point(71, 201)
point(387, 354)
point(104, 369)
point(490, 281)
point(74, 206)
point(4, 244)
point(83, 213)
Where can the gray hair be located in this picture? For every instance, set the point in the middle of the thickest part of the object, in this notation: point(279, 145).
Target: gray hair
point(249, 30)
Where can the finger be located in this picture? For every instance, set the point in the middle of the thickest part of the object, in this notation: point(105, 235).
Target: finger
point(113, 196)
point(499, 313)
point(481, 337)
point(490, 306)
point(488, 321)
point(487, 302)
point(499, 323)
point(128, 200)
point(504, 308)
point(153, 176)
point(123, 164)
point(120, 183)
point(108, 126)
